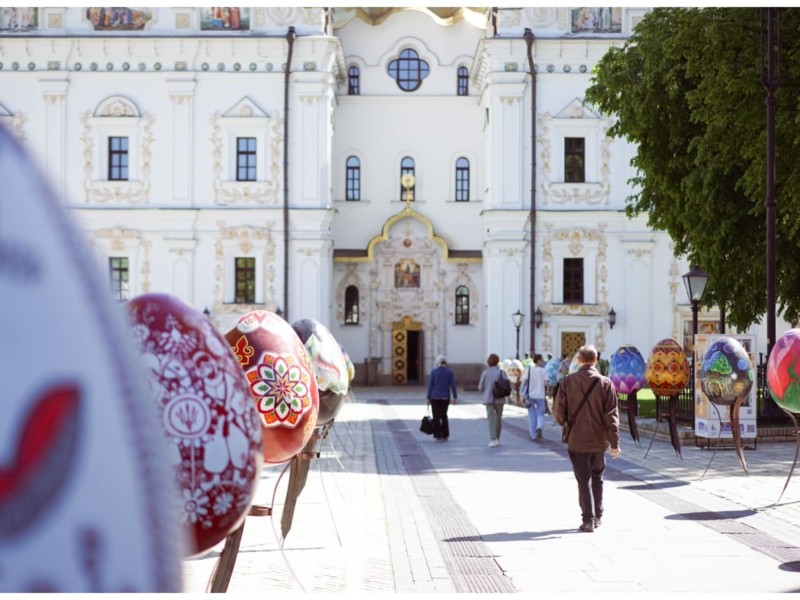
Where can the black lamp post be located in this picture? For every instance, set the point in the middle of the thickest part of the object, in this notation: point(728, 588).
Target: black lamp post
point(518, 318)
point(695, 282)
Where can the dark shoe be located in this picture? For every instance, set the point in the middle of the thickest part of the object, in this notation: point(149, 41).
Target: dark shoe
point(539, 433)
point(586, 527)
point(597, 522)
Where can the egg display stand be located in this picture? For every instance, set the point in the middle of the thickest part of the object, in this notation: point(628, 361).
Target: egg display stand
point(223, 570)
point(672, 409)
point(796, 434)
point(737, 436)
point(631, 412)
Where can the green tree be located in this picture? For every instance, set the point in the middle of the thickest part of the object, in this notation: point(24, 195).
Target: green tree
point(686, 89)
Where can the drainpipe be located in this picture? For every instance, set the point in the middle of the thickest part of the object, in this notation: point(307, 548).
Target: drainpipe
point(290, 37)
point(529, 41)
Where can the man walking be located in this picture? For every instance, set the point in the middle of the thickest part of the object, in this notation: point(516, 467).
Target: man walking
point(533, 395)
point(587, 401)
point(441, 383)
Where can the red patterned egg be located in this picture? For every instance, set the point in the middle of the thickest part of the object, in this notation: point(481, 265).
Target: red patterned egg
point(783, 371)
point(206, 414)
point(667, 370)
point(281, 381)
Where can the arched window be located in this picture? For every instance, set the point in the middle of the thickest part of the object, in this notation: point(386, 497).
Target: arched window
point(463, 81)
point(353, 178)
point(408, 70)
point(462, 180)
point(462, 305)
point(407, 168)
point(353, 81)
point(351, 305)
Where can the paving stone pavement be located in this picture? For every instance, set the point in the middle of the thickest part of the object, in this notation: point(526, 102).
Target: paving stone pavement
point(387, 510)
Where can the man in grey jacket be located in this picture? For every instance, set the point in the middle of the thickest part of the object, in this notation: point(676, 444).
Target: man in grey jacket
point(594, 425)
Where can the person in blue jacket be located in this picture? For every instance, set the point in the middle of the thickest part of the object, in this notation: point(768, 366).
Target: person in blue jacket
point(441, 383)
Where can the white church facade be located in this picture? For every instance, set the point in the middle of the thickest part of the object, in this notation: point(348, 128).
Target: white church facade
point(411, 177)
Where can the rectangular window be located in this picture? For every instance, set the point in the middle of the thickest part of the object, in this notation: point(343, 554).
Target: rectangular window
point(245, 280)
point(245, 159)
point(119, 275)
point(462, 180)
point(462, 309)
point(353, 179)
point(118, 159)
point(573, 281)
point(574, 160)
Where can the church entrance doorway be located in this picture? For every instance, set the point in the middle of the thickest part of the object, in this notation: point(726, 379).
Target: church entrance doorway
point(407, 352)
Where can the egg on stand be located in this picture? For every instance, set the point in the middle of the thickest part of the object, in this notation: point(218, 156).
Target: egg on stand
point(783, 383)
point(626, 371)
point(667, 373)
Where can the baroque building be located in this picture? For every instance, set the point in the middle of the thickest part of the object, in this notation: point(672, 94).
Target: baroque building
point(410, 177)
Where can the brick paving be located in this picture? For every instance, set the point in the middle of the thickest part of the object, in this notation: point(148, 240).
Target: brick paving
point(386, 510)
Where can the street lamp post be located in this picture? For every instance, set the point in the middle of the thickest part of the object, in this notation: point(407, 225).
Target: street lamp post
point(518, 318)
point(695, 282)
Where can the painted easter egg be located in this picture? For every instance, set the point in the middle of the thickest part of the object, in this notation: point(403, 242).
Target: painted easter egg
point(626, 369)
point(281, 380)
point(574, 365)
point(667, 370)
point(351, 369)
point(727, 372)
point(783, 371)
point(330, 367)
point(551, 370)
point(86, 497)
point(207, 416)
point(563, 369)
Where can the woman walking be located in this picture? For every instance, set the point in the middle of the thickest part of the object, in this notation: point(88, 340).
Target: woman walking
point(494, 406)
point(441, 383)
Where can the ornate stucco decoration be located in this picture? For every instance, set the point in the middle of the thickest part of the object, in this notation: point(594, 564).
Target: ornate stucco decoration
point(542, 17)
point(130, 242)
point(444, 16)
point(462, 277)
point(248, 241)
point(352, 277)
point(15, 123)
point(577, 241)
point(117, 116)
point(248, 120)
point(592, 126)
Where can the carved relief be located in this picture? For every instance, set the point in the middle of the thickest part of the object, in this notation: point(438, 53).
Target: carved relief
point(542, 17)
point(510, 18)
point(247, 240)
point(120, 240)
point(15, 124)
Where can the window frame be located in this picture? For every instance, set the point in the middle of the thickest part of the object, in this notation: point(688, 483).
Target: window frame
point(352, 187)
point(408, 70)
point(353, 80)
point(462, 187)
point(120, 286)
point(244, 280)
point(462, 307)
point(117, 171)
point(250, 158)
point(462, 81)
point(352, 310)
point(574, 160)
point(411, 170)
point(573, 290)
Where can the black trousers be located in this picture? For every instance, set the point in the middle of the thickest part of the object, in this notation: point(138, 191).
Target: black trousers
point(441, 427)
point(588, 468)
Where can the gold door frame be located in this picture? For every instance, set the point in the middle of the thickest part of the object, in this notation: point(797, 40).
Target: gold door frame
point(400, 331)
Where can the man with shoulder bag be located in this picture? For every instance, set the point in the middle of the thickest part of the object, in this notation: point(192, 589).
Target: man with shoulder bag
point(586, 405)
point(533, 395)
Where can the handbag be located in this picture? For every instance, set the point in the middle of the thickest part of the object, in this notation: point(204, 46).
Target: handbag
point(426, 425)
point(567, 428)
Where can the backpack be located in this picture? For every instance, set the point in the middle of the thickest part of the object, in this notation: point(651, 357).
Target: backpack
point(502, 387)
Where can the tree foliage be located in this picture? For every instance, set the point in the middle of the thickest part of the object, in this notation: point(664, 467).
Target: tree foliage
point(686, 89)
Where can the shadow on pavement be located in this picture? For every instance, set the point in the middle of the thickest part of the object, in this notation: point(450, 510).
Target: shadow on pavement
point(714, 516)
point(517, 536)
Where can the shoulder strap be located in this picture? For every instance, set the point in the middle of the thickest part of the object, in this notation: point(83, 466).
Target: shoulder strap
point(585, 398)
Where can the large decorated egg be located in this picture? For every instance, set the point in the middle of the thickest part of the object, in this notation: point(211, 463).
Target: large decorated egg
point(281, 380)
point(351, 369)
point(626, 369)
point(783, 371)
point(551, 370)
point(726, 373)
point(330, 367)
point(86, 497)
point(667, 370)
point(206, 413)
point(563, 368)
